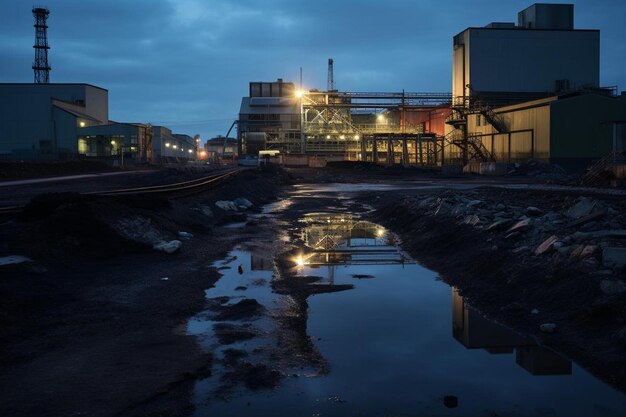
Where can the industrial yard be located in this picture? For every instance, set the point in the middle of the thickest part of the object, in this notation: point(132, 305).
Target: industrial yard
point(337, 252)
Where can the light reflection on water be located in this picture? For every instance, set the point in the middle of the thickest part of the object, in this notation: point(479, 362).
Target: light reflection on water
point(401, 340)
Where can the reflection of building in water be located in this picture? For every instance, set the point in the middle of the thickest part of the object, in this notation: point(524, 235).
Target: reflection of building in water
point(331, 231)
point(474, 331)
point(261, 259)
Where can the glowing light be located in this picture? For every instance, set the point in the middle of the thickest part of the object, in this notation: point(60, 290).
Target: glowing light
point(82, 124)
point(174, 146)
point(380, 232)
point(327, 136)
point(300, 261)
point(167, 144)
point(190, 150)
point(113, 142)
point(203, 154)
point(299, 93)
point(356, 137)
point(342, 137)
point(380, 118)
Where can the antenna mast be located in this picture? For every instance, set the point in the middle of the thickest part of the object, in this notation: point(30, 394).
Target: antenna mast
point(41, 66)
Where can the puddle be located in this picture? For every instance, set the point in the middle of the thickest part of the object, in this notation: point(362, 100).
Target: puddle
point(380, 335)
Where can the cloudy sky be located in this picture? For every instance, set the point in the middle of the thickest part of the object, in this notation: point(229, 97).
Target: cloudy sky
point(186, 63)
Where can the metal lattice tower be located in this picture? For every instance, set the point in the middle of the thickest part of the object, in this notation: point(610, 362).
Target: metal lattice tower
point(41, 66)
point(331, 76)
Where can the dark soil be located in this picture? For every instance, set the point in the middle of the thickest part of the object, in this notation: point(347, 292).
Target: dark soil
point(92, 327)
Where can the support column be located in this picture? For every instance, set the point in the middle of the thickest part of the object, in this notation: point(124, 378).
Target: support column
point(363, 149)
point(375, 150)
point(390, 153)
point(421, 152)
point(405, 152)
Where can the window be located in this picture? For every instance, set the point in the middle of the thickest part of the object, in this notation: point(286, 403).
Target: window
point(479, 120)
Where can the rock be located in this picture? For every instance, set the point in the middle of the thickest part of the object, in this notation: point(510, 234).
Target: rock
point(185, 235)
point(612, 286)
point(548, 327)
point(206, 210)
point(563, 250)
point(546, 245)
point(598, 234)
point(520, 225)
point(583, 207)
point(500, 206)
point(534, 311)
point(520, 249)
point(168, 247)
point(614, 256)
point(427, 202)
point(226, 205)
point(591, 262)
point(13, 260)
point(243, 202)
point(588, 250)
point(494, 248)
point(499, 224)
point(472, 220)
point(473, 203)
point(533, 211)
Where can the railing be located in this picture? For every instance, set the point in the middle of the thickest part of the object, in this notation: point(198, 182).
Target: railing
point(602, 170)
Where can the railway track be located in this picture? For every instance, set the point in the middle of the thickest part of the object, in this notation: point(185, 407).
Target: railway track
point(175, 190)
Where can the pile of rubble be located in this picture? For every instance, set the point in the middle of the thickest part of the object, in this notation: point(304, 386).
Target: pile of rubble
point(586, 232)
point(538, 169)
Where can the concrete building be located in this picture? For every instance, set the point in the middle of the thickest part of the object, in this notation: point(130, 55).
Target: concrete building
point(531, 90)
point(540, 56)
point(271, 112)
point(133, 141)
point(168, 147)
point(221, 146)
point(42, 121)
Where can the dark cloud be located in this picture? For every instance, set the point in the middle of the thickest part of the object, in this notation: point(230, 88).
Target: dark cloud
point(188, 62)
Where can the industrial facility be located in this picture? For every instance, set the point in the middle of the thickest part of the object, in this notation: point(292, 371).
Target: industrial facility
point(47, 121)
point(516, 88)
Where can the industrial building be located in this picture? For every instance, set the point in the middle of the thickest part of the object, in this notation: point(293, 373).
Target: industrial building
point(169, 147)
point(397, 127)
point(221, 147)
point(64, 121)
point(516, 87)
point(42, 121)
point(531, 90)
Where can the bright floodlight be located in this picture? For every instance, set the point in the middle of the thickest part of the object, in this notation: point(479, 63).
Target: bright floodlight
point(299, 261)
point(380, 118)
point(299, 93)
point(113, 142)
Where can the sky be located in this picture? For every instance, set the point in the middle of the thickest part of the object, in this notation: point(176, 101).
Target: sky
point(186, 64)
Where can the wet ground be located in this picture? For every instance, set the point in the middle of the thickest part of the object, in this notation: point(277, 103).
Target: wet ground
point(330, 317)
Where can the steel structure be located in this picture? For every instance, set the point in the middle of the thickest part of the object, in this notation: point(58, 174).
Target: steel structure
point(41, 66)
point(370, 126)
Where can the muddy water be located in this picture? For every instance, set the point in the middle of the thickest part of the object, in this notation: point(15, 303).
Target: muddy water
point(395, 342)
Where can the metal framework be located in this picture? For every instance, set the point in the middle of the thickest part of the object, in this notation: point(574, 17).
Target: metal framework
point(370, 126)
point(41, 66)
